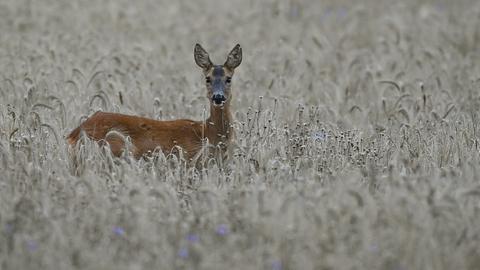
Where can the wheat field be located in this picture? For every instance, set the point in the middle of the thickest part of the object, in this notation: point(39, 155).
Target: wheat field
point(356, 122)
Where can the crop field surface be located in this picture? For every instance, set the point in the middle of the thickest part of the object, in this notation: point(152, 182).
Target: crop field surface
point(356, 135)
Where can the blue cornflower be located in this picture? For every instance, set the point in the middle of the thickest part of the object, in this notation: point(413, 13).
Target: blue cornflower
point(193, 238)
point(276, 265)
point(222, 230)
point(32, 245)
point(183, 253)
point(319, 136)
point(118, 231)
point(9, 228)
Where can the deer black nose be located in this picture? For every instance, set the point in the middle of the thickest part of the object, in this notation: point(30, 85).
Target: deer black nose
point(218, 99)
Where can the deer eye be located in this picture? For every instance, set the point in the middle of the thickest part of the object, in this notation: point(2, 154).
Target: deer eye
point(208, 80)
point(228, 80)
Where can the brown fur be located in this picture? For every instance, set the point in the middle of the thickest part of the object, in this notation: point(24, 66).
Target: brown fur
point(147, 135)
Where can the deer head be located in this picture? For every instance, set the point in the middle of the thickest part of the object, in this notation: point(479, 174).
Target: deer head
point(218, 78)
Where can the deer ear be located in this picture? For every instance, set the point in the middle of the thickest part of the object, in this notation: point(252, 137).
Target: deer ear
point(234, 58)
point(201, 57)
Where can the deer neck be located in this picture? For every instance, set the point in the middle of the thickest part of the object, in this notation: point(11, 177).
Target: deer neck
point(218, 125)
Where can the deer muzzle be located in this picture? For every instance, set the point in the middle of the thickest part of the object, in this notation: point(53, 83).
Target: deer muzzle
point(218, 97)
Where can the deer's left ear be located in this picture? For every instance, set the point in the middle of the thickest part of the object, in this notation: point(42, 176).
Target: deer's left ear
point(234, 58)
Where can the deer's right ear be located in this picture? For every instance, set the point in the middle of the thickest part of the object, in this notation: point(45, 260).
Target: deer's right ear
point(201, 57)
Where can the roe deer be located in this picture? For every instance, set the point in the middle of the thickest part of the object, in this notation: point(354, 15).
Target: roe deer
point(146, 135)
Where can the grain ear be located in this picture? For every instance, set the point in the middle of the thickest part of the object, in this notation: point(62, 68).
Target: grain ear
point(234, 58)
point(201, 57)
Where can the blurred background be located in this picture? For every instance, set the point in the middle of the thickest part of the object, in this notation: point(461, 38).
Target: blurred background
point(356, 135)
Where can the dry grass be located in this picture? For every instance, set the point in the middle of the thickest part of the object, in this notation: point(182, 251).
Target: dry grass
point(357, 132)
